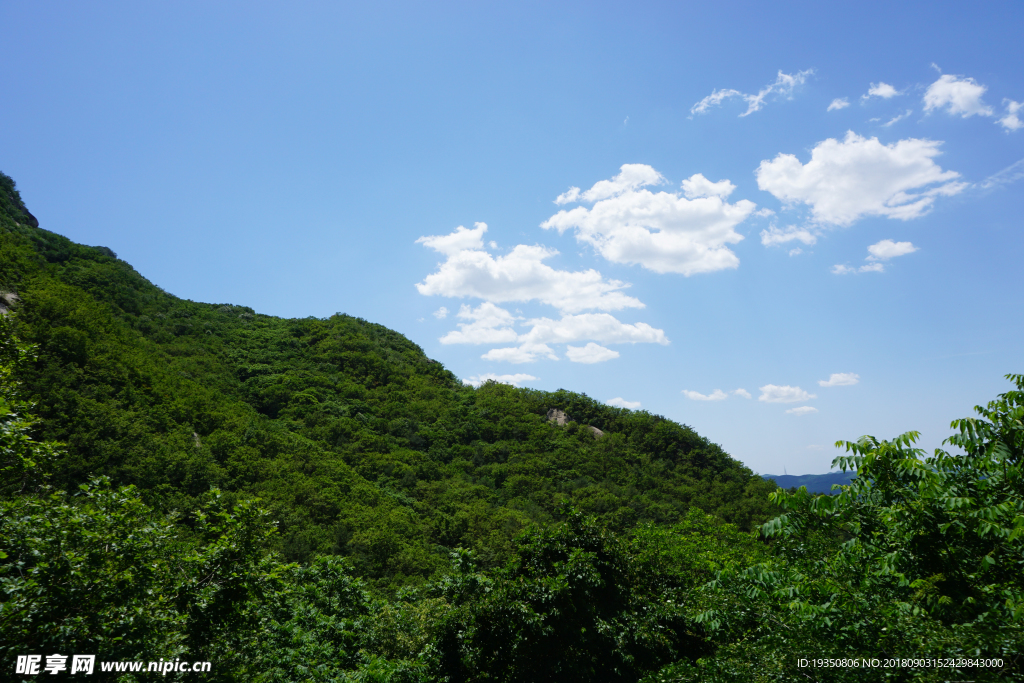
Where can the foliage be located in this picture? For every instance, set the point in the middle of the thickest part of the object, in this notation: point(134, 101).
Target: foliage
point(578, 603)
point(919, 557)
point(315, 500)
point(357, 443)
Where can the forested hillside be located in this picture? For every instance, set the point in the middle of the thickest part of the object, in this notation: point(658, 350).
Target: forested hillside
point(358, 443)
point(315, 500)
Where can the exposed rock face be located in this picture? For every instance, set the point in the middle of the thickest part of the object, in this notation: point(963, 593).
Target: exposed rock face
point(7, 299)
point(558, 416)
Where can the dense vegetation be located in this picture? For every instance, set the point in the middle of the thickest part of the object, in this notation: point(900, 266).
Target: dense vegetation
point(357, 442)
point(316, 500)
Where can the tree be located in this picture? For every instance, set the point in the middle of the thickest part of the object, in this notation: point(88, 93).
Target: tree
point(918, 557)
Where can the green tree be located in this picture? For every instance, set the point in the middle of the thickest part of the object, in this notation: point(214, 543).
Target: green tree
point(918, 557)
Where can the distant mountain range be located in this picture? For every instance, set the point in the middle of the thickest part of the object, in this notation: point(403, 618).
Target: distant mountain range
point(815, 483)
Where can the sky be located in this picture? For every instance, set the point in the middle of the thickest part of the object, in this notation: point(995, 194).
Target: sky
point(783, 225)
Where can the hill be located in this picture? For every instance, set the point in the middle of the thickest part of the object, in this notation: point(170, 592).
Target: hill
point(358, 443)
point(441, 532)
point(815, 483)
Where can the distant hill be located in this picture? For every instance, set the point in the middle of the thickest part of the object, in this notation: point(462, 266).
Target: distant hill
point(358, 443)
point(815, 483)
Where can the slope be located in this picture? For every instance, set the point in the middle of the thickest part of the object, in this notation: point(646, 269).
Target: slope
point(358, 443)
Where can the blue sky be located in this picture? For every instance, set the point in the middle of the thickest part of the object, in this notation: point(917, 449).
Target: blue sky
point(781, 225)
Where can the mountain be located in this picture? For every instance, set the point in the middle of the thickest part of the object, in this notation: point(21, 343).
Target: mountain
point(815, 483)
point(357, 442)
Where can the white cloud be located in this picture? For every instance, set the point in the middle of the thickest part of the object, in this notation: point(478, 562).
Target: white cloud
point(1012, 121)
point(441, 313)
point(488, 324)
point(520, 275)
point(661, 231)
point(796, 251)
point(859, 177)
point(620, 402)
point(697, 186)
point(631, 177)
point(742, 393)
point(1010, 174)
point(879, 251)
point(515, 380)
point(883, 90)
point(716, 395)
point(459, 240)
point(569, 196)
point(839, 269)
point(782, 87)
point(771, 393)
point(840, 379)
point(713, 100)
point(527, 353)
point(802, 410)
point(897, 118)
point(773, 236)
point(602, 327)
point(956, 95)
point(838, 103)
point(591, 353)
point(887, 249)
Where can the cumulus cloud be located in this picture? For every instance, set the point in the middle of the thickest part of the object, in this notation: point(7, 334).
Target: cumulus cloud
point(441, 313)
point(620, 402)
point(957, 95)
point(773, 236)
point(568, 197)
point(742, 393)
point(1012, 121)
point(783, 86)
point(520, 275)
point(883, 90)
point(459, 240)
point(887, 249)
point(591, 353)
point(858, 177)
point(662, 231)
point(602, 327)
point(631, 177)
point(488, 324)
point(838, 103)
point(880, 251)
point(716, 395)
point(697, 186)
point(515, 380)
point(771, 393)
point(802, 410)
point(840, 379)
point(527, 353)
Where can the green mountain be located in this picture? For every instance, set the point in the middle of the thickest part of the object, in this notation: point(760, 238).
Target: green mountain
point(358, 443)
point(440, 533)
point(815, 483)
